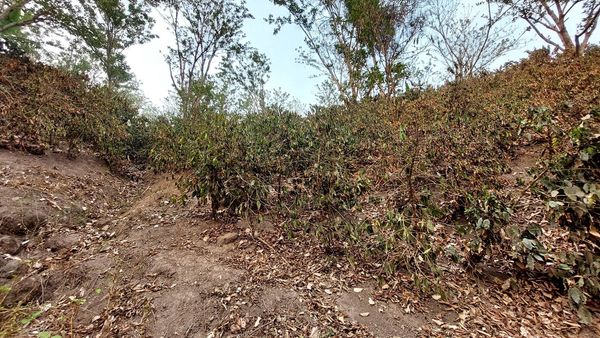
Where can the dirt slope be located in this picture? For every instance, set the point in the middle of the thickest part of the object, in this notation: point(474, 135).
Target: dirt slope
point(99, 256)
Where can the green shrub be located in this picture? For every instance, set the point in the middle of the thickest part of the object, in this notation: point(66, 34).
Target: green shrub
point(571, 188)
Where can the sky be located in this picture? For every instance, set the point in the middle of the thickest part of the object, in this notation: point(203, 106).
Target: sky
point(147, 61)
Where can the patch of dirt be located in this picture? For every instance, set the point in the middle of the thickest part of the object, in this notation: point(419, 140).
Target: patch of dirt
point(524, 159)
point(163, 191)
point(58, 163)
point(384, 319)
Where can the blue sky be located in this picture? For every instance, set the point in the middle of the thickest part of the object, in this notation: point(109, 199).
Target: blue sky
point(148, 62)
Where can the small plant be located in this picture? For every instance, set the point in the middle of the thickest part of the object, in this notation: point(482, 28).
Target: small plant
point(571, 188)
point(395, 243)
point(487, 214)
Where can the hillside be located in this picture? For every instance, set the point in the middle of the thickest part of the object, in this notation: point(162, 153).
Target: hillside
point(116, 258)
point(433, 215)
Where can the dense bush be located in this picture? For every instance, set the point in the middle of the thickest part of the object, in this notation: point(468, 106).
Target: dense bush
point(271, 158)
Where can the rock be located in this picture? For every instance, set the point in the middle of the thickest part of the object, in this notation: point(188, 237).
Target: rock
point(33, 220)
point(102, 224)
point(22, 222)
point(60, 242)
point(24, 291)
point(35, 149)
point(8, 223)
point(227, 238)
point(9, 268)
point(162, 268)
point(9, 245)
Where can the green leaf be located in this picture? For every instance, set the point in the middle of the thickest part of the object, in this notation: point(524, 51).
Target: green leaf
point(534, 230)
point(47, 334)
point(530, 262)
point(513, 232)
point(26, 321)
point(529, 243)
point(576, 296)
point(585, 317)
point(573, 192)
point(486, 224)
point(564, 267)
point(555, 204)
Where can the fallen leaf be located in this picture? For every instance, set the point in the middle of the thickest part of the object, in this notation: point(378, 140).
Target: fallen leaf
point(436, 297)
point(506, 284)
point(364, 314)
point(371, 301)
point(357, 290)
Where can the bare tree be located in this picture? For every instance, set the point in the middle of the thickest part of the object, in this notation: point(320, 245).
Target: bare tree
point(204, 31)
point(468, 41)
point(548, 19)
point(324, 50)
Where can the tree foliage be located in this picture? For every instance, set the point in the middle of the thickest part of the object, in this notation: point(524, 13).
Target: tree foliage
point(18, 17)
point(108, 28)
point(244, 71)
point(204, 32)
point(360, 46)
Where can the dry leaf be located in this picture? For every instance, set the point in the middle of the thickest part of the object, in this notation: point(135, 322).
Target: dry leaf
point(438, 322)
point(506, 285)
